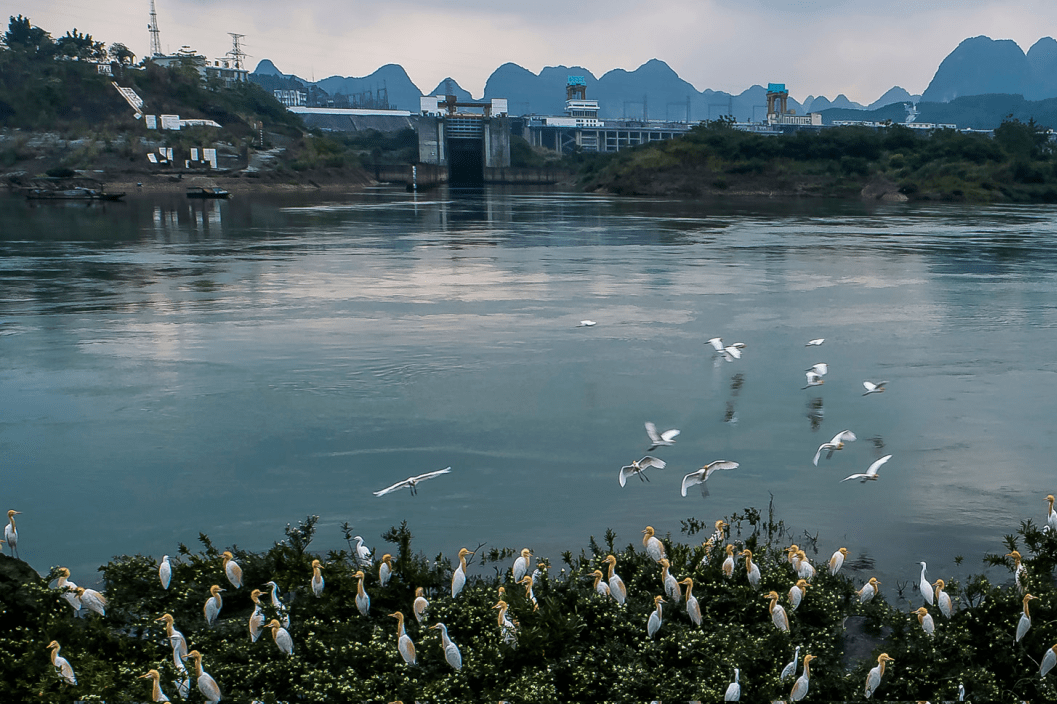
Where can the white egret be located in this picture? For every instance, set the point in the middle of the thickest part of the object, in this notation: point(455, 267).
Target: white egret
point(792, 554)
point(873, 679)
point(707, 548)
point(458, 577)
point(206, 684)
point(600, 587)
point(816, 342)
point(175, 638)
point(68, 590)
point(822, 369)
point(1051, 515)
point(693, 608)
point(164, 572)
point(317, 578)
point(778, 615)
point(813, 379)
point(654, 624)
point(183, 678)
point(752, 571)
point(281, 636)
point(156, 695)
point(874, 387)
point(671, 584)
point(521, 565)
point(728, 563)
point(92, 600)
point(11, 534)
point(943, 599)
point(802, 684)
point(797, 593)
point(733, 692)
point(638, 467)
point(363, 553)
point(1020, 573)
point(232, 569)
point(213, 604)
point(507, 628)
point(654, 546)
point(616, 584)
point(790, 669)
point(961, 692)
point(403, 641)
point(585, 324)
point(925, 587)
point(732, 352)
point(925, 619)
point(804, 568)
point(660, 439)
point(363, 601)
point(385, 569)
point(837, 560)
point(717, 343)
point(868, 591)
point(256, 623)
point(529, 595)
point(412, 482)
point(451, 651)
point(701, 476)
point(1048, 661)
point(837, 443)
point(61, 664)
point(284, 615)
point(420, 605)
point(720, 533)
point(1025, 619)
point(871, 472)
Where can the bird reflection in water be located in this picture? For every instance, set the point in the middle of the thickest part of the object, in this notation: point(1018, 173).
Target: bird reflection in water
point(815, 413)
point(878, 442)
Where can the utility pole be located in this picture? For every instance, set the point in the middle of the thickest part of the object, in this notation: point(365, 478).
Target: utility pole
point(155, 33)
point(237, 54)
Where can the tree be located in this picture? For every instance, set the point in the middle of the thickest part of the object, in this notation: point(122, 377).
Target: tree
point(122, 54)
point(24, 37)
point(80, 46)
point(1020, 139)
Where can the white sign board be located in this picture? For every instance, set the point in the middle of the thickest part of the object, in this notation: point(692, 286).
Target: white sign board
point(151, 122)
point(170, 122)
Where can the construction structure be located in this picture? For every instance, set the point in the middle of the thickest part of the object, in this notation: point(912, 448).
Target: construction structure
point(467, 137)
point(778, 114)
point(230, 69)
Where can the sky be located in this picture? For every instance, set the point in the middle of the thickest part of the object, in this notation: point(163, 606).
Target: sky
point(823, 47)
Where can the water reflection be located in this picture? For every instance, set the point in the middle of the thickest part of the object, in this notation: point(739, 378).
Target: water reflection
point(815, 413)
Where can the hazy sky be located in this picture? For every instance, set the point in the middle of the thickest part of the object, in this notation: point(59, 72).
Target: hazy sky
point(824, 47)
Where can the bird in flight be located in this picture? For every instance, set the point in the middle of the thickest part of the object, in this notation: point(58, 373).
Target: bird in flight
point(638, 467)
point(586, 324)
point(412, 482)
point(874, 387)
point(837, 443)
point(871, 473)
point(813, 379)
point(656, 440)
point(701, 476)
point(816, 342)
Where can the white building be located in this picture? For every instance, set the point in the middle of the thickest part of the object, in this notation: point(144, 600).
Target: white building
point(223, 69)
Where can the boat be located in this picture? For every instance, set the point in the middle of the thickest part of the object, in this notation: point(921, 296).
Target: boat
point(76, 193)
point(206, 192)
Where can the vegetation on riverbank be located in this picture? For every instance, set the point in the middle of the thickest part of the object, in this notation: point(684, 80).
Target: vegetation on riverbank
point(577, 646)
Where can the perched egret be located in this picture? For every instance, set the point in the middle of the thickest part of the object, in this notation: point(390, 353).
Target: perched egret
point(317, 578)
point(206, 684)
point(68, 590)
point(507, 628)
point(693, 608)
point(412, 482)
point(804, 568)
point(363, 553)
point(654, 624)
point(164, 574)
point(800, 688)
point(871, 472)
point(781, 621)
point(733, 692)
point(363, 601)
point(671, 584)
point(790, 669)
point(1048, 661)
point(11, 534)
point(458, 577)
point(657, 440)
point(925, 587)
point(1025, 619)
point(92, 600)
point(961, 692)
point(837, 443)
point(176, 639)
point(420, 605)
point(816, 342)
point(403, 641)
point(62, 665)
point(256, 623)
point(701, 476)
point(874, 387)
point(728, 564)
point(1020, 573)
point(707, 548)
point(1051, 515)
point(822, 369)
point(813, 379)
point(792, 554)
point(284, 616)
point(925, 619)
point(616, 584)
point(385, 569)
point(156, 694)
point(873, 679)
point(837, 560)
point(720, 533)
point(451, 651)
point(183, 678)
point(868, 591)
point(281, 636)
point(232, 569)
point(529, 595)
point(600, 586)
point(654, 546)
point(752, 571)
point(796, 594)
point(943, 599)
point(638, 467)
point(213, 605)
point(521, 565)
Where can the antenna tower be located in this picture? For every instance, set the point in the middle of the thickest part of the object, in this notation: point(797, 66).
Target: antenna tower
point(155, 33)
point(237, 54)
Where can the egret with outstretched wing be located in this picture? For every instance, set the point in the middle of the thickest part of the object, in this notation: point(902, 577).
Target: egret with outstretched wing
point(874, 387)
point(871, 472)
point(656, 440)
point(701, 476)
point(638, 466)
point(412, 482)
point(837, 443)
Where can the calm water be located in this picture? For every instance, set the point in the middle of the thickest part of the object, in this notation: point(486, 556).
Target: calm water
point(169, 367)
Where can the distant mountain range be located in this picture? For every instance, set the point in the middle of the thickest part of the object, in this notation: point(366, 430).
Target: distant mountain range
point(978, 66)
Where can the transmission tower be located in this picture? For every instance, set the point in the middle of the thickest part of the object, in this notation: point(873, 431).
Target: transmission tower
point(155, 33)
point(237, 54)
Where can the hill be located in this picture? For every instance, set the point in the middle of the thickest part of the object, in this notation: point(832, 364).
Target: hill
point(980, 112)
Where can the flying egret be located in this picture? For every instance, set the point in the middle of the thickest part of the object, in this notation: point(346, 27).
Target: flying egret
point(701, 476)
point(68, 589)
point(778, 616)
point(717, 343)
point(385, 569)
point(943, 599)
point(837, 561)
point(232, 569)
point(61, 664)
point(873, 679)
point(813, 379)
point(1020, 573)
point(752, 571)
point(281, 636)
point(804, 568)
point(654, 624)
point(837, 443)
point(693, 608)
point(529, 595)
point(654, 546)
point(420, 605)
point(206, 684)
point(507, 628)
point(11, 534)
point(412, 482)
point(451, 651)
point(802, 684)
point(92, 600)
point(284, 616)
point(732, 352)
point(616, 584)
point(458, 577)
point(256, 622)
point(671, 585)
point(600, 587)
point(868, 591)
point(733, 692)
point(1025, 619)
point(657, 440)
point(1048, 661)
point(363, 553)
point(728, 564)
point(822, 369)
point(874, 387)
point(156, 694)
point(583, 324)
point(521, 565)
point(403, 641)
point(790, 669)
point(164, 572)
point(797, 593)
point(816, 342)
point(638, 467)
point(925, 619)
point(213, 605)
point(871, 472)
point(363, 601)
point(176, 639)
point(317, 577)
point(925, 587)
